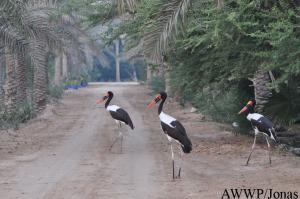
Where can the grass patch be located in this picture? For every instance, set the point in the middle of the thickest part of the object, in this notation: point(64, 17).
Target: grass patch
point(56, 91)
point(157, 84)
point(21, 114)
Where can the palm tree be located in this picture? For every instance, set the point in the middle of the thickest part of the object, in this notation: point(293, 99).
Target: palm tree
point(162, 27)
point(58, 67)
point(13, 42)
point(125, 5)
point(37, 17)
point(10, 88)
point(52, 36)
point(2, 74)
point(29, 32)
point(14, 31)
point(40, 83)
point(21, 79)
point(262, 92)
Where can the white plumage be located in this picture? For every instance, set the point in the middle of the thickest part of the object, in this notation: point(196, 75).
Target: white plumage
point(112, 108)
point(254, 116)
point(166, 119)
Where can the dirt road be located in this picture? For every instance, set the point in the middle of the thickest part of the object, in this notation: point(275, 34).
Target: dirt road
point(64, 154)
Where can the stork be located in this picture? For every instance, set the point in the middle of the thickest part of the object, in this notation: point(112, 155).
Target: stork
point(260, 125)
point(173, 129)
point(118, 114)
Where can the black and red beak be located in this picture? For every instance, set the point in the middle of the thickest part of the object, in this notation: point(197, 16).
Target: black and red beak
point(245, 108)
point(154, 101)
point(103, 99)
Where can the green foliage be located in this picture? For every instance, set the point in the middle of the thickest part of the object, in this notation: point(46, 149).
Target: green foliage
point(102, 12)
point(72, 82)
point(51, 67)
point(141, 70)
point(157, 84)
point(22, 113)
point(56, 91)
point(285, 105)
point(222, 48)
point(134, 29)
point(219, 49)
point(223, 105)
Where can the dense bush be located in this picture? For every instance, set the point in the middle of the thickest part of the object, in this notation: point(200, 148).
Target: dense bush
point(217, 50)
point(56, 91)
point(20, 115)
point(157, 84)
point(222, 48)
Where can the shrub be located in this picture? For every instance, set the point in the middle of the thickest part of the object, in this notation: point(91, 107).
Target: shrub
point(223, 106)
point(157, 84)
point(22, 113)
point(56, 91)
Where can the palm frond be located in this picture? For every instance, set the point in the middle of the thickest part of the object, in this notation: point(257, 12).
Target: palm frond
point(55, 30)
point(124, 5)
point(38, 18)
point(134, 51)
point(9, 8)
point(10, 37)
point(162, 27)
point(10, 34)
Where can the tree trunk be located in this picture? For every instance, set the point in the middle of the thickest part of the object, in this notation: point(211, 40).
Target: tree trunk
point(21, 79)
point(261, 90)
point(167, 78)
point(220, 4)
point(40, 83)
point(10, 88)
point(2, 79)
point(64, 65)
point(149, 74)
point(117, 45)
point(58, 68)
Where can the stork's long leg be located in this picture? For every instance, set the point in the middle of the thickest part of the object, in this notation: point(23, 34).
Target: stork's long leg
point(269, 149)
point(121, 142)
point(172, 153)
point(115, 140)
point(118, 137)
point(253, 146)
point(181, 161)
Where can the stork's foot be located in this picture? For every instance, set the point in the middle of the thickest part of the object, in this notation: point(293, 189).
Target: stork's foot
point(110, 148)
point(248, 160)
point(270, 161)
point(179, 171)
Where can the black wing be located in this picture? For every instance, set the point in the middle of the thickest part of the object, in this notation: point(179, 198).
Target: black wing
point(121, 115)
point(264, 125)
point(178, 133)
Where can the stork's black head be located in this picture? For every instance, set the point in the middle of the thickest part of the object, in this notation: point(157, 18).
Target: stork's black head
point(109, 94)
point(161, 96)
point(249, 107)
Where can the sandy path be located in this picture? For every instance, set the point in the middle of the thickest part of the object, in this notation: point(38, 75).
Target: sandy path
point(64, 154)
